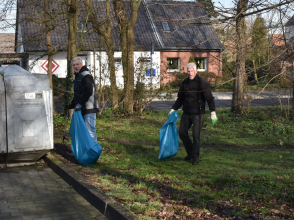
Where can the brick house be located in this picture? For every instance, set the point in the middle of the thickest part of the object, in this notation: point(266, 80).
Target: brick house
point(178, 30)
point(184, 30)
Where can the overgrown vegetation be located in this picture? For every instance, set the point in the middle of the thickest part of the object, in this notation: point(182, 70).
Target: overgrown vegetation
point(245, 169)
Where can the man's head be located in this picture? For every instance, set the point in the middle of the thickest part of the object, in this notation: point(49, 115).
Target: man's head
point(191, 70)
point(77, 64)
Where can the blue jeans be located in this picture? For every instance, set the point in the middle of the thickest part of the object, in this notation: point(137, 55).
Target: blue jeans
point(90, 121)
point(192, 148)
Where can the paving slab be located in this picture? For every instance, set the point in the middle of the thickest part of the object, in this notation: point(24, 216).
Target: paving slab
point(37, 193)
point(102, 202)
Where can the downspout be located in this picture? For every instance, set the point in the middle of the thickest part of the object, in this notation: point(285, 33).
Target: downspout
point(219, 65)
point(152, 24)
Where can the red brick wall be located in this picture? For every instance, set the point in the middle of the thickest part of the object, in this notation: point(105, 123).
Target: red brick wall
point(212, 62)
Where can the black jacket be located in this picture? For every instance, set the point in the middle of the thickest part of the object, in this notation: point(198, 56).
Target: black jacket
point(193, 94)
point(85, 92)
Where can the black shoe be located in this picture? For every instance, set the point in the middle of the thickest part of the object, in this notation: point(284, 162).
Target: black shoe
point(195, 161)
point(188, 157)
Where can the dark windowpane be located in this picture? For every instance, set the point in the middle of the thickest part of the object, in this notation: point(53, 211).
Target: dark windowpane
point(200, 63)
point(173, 63)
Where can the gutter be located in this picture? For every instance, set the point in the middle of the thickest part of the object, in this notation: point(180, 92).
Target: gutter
point(190, 49)
point(152, 25)
point(219, 65)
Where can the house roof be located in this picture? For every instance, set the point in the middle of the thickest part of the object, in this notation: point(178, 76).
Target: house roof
point(189, 27)
point(290, 22)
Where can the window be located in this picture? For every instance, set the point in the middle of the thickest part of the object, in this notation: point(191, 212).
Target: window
point(145, 66)
point(81, 27)
point(165, 26)
point(118, 64)
point(173, 64)
point(201, 64)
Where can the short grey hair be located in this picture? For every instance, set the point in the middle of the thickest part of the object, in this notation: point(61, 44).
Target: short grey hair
point(77, 58)
point(191, 65)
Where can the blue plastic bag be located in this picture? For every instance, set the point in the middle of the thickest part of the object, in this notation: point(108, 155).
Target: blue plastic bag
point(85, 150)
point(169, 139)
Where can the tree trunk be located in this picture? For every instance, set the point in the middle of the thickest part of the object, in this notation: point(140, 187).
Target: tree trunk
point(72, 31)
point(72, 16)
point(106, 34)
point(127, 37)
point(238, 92)
point(48, 40)
point(49, 46)
point(293, 91)
point(110, 54)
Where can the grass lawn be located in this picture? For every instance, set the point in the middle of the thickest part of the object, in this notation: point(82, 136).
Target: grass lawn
point(246, 167)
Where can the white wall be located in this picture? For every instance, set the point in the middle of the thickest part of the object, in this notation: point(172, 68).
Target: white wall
point(99, 69)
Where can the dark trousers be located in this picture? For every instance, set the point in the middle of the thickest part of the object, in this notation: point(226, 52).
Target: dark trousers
point(193, 149)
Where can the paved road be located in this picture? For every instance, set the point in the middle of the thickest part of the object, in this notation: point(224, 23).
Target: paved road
point(37, 193)
point(224, 99)
point(166, 105)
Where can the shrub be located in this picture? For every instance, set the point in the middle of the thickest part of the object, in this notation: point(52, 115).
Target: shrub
point(209, 76)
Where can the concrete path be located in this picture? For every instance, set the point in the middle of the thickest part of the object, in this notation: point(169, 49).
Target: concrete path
point(229, 95)
point(37, 193)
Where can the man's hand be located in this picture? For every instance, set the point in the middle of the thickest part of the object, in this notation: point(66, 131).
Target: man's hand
point(78, 107)
point(170, 112)
point(213, 118)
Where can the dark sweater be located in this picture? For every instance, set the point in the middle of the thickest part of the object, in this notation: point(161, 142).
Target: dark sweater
point(193, 94)
point(82, 94)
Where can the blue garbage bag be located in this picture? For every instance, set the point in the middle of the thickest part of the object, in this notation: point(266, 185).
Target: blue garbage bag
point(85, 150)
point(169, 139)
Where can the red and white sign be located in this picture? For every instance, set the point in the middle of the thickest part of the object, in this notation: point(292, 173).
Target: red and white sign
point(54, 66)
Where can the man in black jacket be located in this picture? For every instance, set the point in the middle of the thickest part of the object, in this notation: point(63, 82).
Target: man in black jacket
point(193, 93)
point(85, 96)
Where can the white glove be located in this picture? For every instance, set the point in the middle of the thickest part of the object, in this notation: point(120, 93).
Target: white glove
point(213, 115)
point(171, 111)
point(213, 118)
point(78, 107)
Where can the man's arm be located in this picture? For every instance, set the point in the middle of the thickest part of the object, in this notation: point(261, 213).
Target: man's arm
point(208, 95)
point(87, 82)
point(180, 99)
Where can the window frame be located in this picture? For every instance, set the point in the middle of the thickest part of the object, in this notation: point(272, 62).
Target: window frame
point(205, 63)
point(173, 70)
point(164, 27)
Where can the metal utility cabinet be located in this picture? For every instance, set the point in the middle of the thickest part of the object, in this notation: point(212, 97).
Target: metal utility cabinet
point(28, 116)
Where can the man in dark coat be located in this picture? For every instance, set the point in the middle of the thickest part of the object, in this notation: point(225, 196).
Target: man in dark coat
point(85, 96)
point(193, 93)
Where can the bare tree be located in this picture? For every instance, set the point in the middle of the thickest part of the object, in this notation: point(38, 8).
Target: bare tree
point(238, 92)
point(127, 27)
point(103, 27)
point(239, 12)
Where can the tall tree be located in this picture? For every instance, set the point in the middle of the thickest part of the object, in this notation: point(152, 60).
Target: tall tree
point(259, 45)
point(72, 17)
point(48, 40)
point(104, 28)
point(127, 26)
point(238, 92)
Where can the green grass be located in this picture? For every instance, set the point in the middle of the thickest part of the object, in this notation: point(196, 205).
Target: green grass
point(229, 181)
point(261, 126)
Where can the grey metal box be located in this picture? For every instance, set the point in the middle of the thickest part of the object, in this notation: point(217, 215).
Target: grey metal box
point(29, 115)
